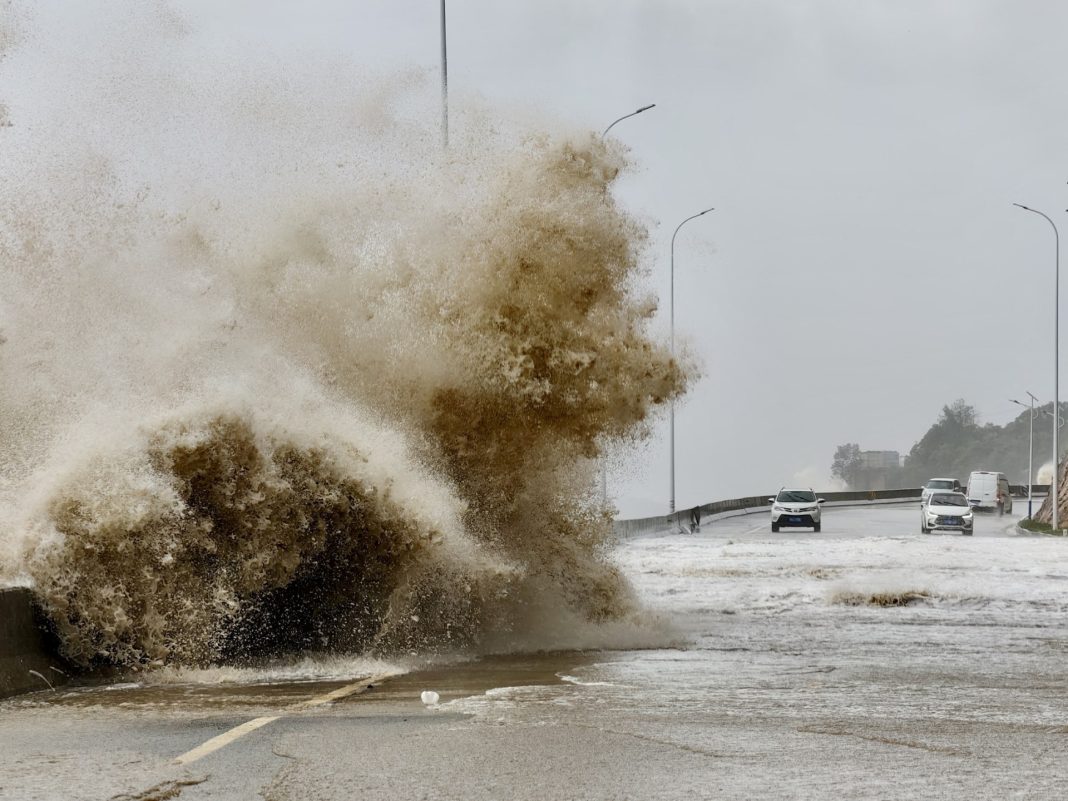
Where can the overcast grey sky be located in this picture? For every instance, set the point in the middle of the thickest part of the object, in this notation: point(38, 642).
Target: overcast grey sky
point(864, 265)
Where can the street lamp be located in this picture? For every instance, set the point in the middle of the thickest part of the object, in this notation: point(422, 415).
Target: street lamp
point(1056, 358)
point(1059, 424)
point(672, 307)
point(444, 84)
point(639, 111)
point(604, 470)
point(1030, 450)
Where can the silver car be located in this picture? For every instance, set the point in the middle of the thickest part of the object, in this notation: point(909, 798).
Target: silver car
point(940, 485)
point(946, 511)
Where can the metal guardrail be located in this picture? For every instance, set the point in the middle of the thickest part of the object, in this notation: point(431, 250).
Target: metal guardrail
point(758, 503)
point(1020, 490)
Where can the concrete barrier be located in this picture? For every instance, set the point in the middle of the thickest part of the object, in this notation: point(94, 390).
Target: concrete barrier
point(1020, 490)
point(27, 661)
point(733, 507)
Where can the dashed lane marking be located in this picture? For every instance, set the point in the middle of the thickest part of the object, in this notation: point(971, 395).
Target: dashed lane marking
point(227, 737)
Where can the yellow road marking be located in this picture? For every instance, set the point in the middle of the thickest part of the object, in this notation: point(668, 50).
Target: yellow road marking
point(343, 692)
point(224, 739)
point(227, 737)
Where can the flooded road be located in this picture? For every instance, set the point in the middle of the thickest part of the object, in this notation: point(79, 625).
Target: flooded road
point(867, 661)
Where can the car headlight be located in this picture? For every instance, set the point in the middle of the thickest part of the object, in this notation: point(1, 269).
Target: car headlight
point(808, 509)
point(779, 509)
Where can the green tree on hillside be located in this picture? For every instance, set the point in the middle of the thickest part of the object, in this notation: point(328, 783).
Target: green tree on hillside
point(957, 444)
point(947, 447)
point(846, 462)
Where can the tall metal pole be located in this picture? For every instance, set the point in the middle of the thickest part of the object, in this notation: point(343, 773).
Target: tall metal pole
point(444, 84)
point(1030, 450)
point(672, 316)
point(1056, 363)
point(1031, 457)
point(604, 470)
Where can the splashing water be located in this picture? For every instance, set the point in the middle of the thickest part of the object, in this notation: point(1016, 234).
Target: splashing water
point(277, 375)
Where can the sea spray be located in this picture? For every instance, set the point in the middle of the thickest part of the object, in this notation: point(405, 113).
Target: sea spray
point(222, 535)
point(278, 375)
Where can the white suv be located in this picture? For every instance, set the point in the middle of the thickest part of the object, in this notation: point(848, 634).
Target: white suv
point(943, 511)
point(795, 507)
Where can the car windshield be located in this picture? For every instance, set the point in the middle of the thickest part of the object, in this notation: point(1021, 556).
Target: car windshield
point(939, 484)
point(796, 496)
point(949, 499)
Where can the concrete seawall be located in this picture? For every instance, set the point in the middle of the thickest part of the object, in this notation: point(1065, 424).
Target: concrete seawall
point(26, 661)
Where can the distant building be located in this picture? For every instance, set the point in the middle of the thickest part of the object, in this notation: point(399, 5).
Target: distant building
point(879, 460)
point(878, 470)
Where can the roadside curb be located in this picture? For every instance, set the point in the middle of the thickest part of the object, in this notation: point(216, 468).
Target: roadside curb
point(1026, 532)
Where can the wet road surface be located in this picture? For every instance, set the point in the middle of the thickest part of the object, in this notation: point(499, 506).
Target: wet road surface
point(867, 661)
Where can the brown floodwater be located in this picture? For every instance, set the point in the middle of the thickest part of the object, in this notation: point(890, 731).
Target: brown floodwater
point(452, 680)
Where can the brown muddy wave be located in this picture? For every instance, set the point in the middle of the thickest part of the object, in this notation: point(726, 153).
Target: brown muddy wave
point(295, 380)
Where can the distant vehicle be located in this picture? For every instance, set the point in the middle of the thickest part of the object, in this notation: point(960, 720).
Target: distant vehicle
point(946, 511)
point(983, 486)
point(795, 508)
point(940, 485)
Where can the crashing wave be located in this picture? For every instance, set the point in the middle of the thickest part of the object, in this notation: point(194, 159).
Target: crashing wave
point(311, 384)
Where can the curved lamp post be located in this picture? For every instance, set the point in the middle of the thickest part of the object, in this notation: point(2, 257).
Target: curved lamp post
point(672, 307)
point(604, 470)
point(1056, 358)
point(444, 84)
point(639, 111)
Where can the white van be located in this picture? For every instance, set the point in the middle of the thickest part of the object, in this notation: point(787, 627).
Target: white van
point(983, 488)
